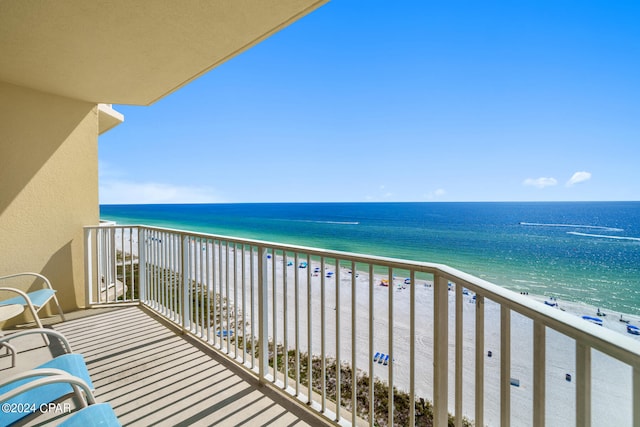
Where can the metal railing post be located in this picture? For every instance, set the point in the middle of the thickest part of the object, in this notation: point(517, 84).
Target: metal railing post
point(186, 300)
point(440, 350)
point(88, 267)
point(142, 265)
point(539, 368)
point(583, 384)
point(263, 293)
point(505, 365)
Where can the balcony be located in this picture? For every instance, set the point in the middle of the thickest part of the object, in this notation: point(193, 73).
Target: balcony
point(427, 343)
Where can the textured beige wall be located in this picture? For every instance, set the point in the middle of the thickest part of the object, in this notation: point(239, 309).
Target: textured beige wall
point(48, 186)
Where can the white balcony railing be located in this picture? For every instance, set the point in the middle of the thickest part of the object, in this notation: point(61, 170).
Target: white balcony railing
point(474, 349)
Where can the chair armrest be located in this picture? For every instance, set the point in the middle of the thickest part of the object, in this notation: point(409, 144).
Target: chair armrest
point(44, 331)
point(51, 376)
point(28, 273)
point(17, 291)
point(32, 373)
point(25, 296)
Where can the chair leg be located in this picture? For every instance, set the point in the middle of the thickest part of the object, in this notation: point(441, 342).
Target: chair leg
point(36, 318)
point(55, 298)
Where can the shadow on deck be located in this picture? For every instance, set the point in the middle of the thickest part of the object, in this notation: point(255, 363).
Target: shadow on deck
point(152, 375)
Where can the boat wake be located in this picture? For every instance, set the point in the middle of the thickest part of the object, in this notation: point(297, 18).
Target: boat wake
point(604, 236)
point(592, 227)
point(327, 222)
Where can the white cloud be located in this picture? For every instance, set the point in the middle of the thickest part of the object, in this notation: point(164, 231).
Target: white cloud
point(578, 177)
point(127, 192)
point(116, 188)
point(541, 182)
point(432, 195)
point(436, 194)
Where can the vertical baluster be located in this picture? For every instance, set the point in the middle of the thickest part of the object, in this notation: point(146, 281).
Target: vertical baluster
point(296, 280)
point(204, 292)
point(539, 374)
point(156, 271)
point(354, 351)
point(132, 288)
point(252, 317)
point(285, 335)
point(505, 365)
point(583, 384)
point(88, 266)
point(635, 398)
point(479, 389)
point(142, 264)
point(440, 351)
point(263, 327)
point(195, 280)
point(337, 308)
point(323, 368)
point(171, 276)
point(412, 349)
point(123, 257)
point(371, 320)
point(390, 366)
point(114, 264)
point(100, 263)
point(309, 332)
point(158, 268)
point(459, 368)
point(186, 321)
point(151, 246)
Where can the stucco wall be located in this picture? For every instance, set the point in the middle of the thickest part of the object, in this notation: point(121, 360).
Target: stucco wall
point(48, 186)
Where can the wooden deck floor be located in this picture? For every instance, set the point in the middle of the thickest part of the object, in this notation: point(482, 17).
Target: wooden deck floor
point(153, 376)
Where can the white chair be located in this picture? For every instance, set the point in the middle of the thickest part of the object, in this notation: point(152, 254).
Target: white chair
point(34, 300)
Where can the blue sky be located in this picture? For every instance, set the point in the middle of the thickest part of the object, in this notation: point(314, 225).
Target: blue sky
point(400, 101)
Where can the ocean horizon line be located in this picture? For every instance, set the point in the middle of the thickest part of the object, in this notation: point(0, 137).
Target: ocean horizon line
point(376, 202)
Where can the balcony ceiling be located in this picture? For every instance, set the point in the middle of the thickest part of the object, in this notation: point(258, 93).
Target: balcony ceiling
point(130, 52)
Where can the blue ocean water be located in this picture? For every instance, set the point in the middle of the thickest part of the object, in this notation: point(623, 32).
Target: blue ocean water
point(577, 251)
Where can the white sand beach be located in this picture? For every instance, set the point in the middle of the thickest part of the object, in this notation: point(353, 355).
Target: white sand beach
point(611, 380)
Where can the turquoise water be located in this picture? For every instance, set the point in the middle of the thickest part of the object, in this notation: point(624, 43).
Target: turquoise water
point(578, 251)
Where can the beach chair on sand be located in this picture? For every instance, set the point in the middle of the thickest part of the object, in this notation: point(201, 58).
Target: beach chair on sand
point(33, 300)
point(376, 357)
